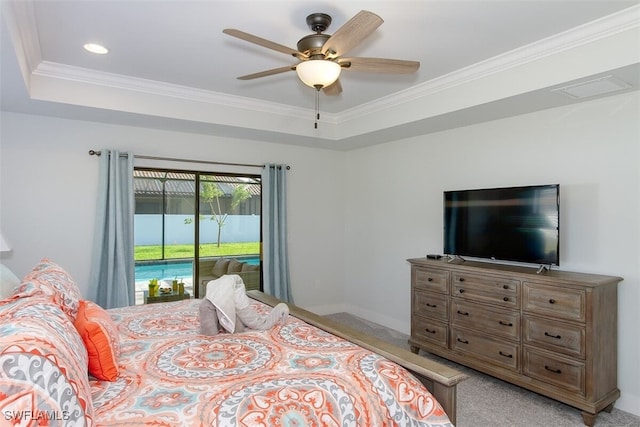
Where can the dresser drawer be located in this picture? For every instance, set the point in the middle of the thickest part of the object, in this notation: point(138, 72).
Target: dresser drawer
point(555, 336)
point(431, 279)
point(430, 330)
point(429, 304)
point(495, 321)
point(480, 288)
point(562, 372)
point(563, 303)
point(493, 350)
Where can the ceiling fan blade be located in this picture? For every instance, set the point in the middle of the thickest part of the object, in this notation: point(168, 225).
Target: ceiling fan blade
point(268, 72)
point(334, 88)
point(263, 42)
point(351, 33)
point(379, 65)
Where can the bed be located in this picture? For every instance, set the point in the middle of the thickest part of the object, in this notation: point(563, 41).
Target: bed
point(69, 362)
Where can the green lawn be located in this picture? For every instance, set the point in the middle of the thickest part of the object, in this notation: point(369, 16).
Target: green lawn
point(153, 252)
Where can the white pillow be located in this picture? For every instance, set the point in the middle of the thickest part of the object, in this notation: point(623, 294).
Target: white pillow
point(8, 282)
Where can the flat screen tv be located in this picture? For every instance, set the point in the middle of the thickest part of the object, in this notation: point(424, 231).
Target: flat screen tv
point(520, 224)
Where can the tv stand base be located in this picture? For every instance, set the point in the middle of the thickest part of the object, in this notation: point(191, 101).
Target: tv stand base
point(543, 268)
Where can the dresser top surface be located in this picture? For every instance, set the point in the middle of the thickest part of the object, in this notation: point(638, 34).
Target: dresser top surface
point(525, 273)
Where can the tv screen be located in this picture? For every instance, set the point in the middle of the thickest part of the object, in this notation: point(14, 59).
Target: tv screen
point(519, 224)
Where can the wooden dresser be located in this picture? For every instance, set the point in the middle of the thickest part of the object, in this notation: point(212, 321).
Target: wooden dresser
point(554, 333)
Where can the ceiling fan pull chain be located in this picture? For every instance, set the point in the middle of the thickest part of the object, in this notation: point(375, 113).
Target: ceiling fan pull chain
point(315, 125)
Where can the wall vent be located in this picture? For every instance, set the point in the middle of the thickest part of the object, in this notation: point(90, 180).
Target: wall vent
point(586, 89)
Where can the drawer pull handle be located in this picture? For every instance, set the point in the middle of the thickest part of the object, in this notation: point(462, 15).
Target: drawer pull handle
point(510, 356)
point(547, 334)
point(552, 301)
point(430, 331)
point(464, 313)
point(505, 299)
point(505, 286)
point(462, 279)
point(461, 291)
point(431, 305)
point(505, 323)
point(463, 341)
point(555, 371)
point(429, 279)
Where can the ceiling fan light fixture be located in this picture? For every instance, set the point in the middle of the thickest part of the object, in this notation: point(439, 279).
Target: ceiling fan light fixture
point(318, 73)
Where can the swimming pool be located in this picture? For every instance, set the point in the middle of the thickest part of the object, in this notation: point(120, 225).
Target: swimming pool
point(164, 270)
point(181, 269)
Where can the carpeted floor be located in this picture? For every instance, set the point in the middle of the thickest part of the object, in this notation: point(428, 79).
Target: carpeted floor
point(487, 401)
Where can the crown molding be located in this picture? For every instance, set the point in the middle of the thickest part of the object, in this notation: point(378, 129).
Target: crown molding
point(587, 33)
point(608, 26)
point(24, 35)
point(151, 87)
point(22, 25)
point(21, 21)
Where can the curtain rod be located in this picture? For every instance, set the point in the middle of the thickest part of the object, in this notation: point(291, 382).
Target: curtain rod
point(172, 159)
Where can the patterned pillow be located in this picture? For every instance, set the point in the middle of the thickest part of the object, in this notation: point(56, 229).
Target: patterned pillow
point(100, 336)
point(49, 278)
point(43, 364)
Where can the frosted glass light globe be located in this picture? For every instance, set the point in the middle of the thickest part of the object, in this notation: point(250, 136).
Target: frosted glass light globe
point(318, 72)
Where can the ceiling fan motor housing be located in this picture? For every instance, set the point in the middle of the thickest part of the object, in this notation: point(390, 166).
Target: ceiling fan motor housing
point(312, 44)
point(318, 22)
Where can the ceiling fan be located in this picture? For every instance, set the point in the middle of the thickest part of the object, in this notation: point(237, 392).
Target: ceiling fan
point(321, 55)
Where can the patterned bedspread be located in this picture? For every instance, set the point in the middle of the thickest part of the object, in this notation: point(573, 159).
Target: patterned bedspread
point(293, 375)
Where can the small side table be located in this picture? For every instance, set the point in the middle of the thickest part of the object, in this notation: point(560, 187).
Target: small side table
point(164, 297)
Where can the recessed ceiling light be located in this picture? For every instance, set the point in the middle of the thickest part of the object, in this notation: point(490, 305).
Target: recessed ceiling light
point(96, 48)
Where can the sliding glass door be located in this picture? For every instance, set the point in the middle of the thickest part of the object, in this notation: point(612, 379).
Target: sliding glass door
point(169, 239)
point(229, 228)
point(163, 228)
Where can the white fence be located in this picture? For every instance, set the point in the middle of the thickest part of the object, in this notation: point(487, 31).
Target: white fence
point(237, 228)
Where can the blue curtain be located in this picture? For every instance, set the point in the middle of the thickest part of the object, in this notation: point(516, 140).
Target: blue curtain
point(274, 232)
point(112, 280)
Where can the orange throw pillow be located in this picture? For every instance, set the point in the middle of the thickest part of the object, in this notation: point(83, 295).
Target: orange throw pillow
point(100, 336)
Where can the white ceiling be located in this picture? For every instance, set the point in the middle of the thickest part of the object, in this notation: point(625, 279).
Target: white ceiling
point(170, 65)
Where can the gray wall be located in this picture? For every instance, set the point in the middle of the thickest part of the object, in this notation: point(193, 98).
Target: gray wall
point(381, 205)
